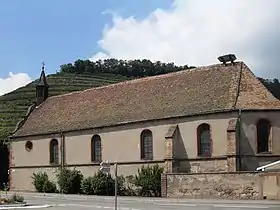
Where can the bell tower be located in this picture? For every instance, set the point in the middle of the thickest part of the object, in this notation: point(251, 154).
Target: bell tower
point(42, 87)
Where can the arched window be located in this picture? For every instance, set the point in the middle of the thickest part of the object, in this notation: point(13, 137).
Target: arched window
point(204, 140)
point(96, 149)
point(263, 133)
point(54, 159)
point(146, 145)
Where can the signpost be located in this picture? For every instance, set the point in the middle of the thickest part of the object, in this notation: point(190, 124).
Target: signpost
point(105, 168)
point(116, 186)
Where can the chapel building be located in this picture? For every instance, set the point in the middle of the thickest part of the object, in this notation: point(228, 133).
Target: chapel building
point(216, 118)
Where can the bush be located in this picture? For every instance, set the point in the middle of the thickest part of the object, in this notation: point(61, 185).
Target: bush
point(130, 186)
point(146, 183)
point(99, 184)
point(121, 188)
point(15, 198)
point(149, 180)
point(87, 185)
point(42, 183)
point(69, 181)
point(49, 187)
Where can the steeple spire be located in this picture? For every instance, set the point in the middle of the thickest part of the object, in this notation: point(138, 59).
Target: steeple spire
point(42, 87)
point(42, 79)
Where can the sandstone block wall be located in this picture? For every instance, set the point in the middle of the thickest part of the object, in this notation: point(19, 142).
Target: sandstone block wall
point(214, 185)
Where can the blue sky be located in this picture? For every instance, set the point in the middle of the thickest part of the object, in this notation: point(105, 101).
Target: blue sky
point(57, 31)
point(193, 32)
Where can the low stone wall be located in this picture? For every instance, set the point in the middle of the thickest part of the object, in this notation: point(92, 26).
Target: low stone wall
point(213, 185)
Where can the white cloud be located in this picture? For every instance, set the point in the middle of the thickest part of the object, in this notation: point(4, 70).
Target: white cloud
point(196, 32)
point(13, 81)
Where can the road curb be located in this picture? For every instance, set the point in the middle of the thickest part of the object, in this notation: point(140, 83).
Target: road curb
point(13, 205)
point(150, 199)
point(26, 206)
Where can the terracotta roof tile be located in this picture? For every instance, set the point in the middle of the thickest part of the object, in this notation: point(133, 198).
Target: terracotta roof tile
point(200, 90)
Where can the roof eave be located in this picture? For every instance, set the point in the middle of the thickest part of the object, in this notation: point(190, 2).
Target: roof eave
point(125, 123)
point(142, 121)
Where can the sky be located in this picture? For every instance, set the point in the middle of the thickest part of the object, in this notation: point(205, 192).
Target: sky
point(193, 32)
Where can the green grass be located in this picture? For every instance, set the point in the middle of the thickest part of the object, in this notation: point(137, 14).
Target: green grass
point(14, 105)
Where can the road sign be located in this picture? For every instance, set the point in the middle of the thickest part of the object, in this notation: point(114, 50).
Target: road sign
point(105, 167)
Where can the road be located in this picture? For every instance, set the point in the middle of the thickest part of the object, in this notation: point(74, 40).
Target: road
point(77, 202)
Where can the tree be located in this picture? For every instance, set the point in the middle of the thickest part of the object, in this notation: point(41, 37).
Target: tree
point(131, 68)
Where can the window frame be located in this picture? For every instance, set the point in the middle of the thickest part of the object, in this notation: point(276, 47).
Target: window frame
point(96, 138)
point(54, 155)
point(28, 146)
point(204, 127)
point(146, 145)
point(268, 137)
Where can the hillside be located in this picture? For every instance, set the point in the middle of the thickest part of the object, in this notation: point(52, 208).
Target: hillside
point(15, 104)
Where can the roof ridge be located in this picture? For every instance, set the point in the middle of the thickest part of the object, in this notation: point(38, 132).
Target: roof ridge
point(260, 83)
point(137, 80)
point(238, 81)
point(253, 92)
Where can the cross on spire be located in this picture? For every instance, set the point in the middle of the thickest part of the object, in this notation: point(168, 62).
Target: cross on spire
point(42, 79)
point(43, 65)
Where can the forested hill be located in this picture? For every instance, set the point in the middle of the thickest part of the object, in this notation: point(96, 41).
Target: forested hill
point(272, 85)
point(84, 74)
point(131, 68)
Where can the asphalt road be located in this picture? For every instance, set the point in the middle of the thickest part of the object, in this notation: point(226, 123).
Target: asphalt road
point(76, 202)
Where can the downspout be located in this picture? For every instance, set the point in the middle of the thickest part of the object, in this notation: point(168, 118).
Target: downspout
point(239, 121)
point(62, 149)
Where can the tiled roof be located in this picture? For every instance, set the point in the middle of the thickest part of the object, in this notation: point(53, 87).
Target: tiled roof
point(201, 90)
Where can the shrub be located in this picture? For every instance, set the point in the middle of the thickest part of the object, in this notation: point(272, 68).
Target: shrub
point(102, 184)
point(39, 179)
point(69, 181)
point(130, 186)
point(121, 188)
point(148, 180)
point(49, 187)
point(99, 184)
point(42, 183)
point(87, 185)
point(15, 198)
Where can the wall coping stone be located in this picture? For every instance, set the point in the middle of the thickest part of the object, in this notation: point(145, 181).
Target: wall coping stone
point(262, 173)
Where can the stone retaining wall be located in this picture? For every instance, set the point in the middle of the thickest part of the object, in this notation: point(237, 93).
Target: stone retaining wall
point(215, 185)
